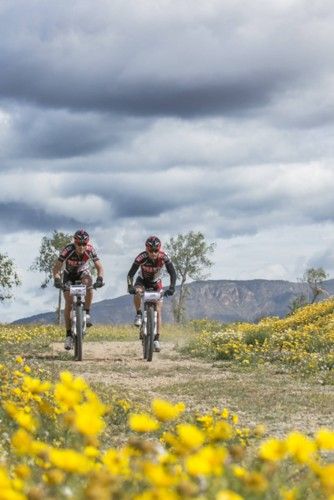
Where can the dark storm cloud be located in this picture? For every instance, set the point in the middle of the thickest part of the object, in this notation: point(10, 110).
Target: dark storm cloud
point(36, 133)
point(131, 58)
point(62, 137)
point(21, 216)
point(201, 97)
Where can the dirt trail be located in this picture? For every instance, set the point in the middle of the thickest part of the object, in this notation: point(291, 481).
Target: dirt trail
point(122, 362)
point(262, 394)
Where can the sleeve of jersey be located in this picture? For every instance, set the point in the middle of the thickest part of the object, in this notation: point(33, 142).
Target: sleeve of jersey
point(93, 255)
point(133, 270)
point(171, 271)
point(64, 254)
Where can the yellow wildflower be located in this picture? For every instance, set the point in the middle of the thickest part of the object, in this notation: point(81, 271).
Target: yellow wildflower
point(206, 420)
point(157, 475)
point(54, 476)
point(157, 494)
point(19, 360)
point(300, 447)
point(34, 385)
point(26, 421)
point(70, 461)
point(190, 436)
point(22, 442)
point(117, 461)
point(91, 451)
point(225, 413)
point(221, 430)
point(228, 495)
point(22, 471)
point(165, 411)
point(256, 481)
point(272, 450)
point(7, 490)
point(289, 494)
point(141, 422)
point(326, 474)
point(324, 439)
point(239, 471)
point(87, 420)
point(207, 461)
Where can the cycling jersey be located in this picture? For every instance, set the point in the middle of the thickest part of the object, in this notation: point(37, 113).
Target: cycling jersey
point(75, 263)
point(151, 269)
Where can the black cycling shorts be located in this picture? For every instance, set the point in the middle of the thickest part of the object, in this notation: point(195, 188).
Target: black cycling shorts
point(73, 277)
point(148, 285)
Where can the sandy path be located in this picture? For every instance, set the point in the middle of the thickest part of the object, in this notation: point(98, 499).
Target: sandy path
point(282, 401)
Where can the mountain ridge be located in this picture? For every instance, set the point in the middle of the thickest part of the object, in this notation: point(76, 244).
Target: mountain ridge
point(223, 300)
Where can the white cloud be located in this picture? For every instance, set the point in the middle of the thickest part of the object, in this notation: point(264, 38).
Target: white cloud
point(165, 116)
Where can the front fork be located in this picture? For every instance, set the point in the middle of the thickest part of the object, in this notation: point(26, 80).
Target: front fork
point(74, 320)
point(155, 323)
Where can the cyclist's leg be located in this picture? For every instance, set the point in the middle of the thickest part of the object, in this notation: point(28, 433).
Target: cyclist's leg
point(86, 279)
point(140, 287)
point(67, 310)
point(158, 287)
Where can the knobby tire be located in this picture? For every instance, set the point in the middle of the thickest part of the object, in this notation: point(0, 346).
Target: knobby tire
point(143, 341)
point(150, 333)
point(79, 334)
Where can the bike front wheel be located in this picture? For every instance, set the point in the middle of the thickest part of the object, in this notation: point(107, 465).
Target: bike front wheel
point(149, 339)
point(79, 334)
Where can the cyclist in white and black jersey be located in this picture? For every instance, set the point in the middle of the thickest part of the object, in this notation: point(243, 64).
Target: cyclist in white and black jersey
point(74, 258)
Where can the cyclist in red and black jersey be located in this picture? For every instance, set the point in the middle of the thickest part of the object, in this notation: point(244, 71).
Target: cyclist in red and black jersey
point(150, 262)
point(74, 260)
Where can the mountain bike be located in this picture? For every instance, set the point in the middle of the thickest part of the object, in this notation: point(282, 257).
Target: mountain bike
point(78, 315)
point(148, 329)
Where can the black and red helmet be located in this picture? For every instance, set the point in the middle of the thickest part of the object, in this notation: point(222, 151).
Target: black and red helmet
point(81, 237)
point(153, 244)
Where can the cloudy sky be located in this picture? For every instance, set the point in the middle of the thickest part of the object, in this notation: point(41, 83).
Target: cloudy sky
point(132, 118)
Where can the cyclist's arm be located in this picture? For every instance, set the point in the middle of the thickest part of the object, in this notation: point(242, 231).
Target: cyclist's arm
point(56, 271)
point(131, 273)
point(172, 273)
point(99, 268)
point(63, 256)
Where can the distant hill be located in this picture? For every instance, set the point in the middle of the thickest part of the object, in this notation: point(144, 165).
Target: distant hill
point(223, 300)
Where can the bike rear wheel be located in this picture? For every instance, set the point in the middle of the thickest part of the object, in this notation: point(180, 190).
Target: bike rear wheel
point(79, 333)
point(149, 339)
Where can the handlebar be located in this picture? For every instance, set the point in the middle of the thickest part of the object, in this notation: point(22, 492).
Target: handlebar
point(66, 287)
point(162, 293)
point(151, 295)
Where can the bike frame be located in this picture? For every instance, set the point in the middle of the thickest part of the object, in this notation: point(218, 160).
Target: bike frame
point(78, 317)
point(150, 321)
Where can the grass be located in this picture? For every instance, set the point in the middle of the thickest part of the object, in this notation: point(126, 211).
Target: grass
point(268, 393)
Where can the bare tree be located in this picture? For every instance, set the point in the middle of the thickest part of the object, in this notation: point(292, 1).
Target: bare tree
point(315, 277)
point(189, 253)
point(8, 277)
point(44, 262)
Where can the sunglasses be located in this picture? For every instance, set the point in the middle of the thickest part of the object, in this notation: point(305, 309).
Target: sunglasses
point(81, 244)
